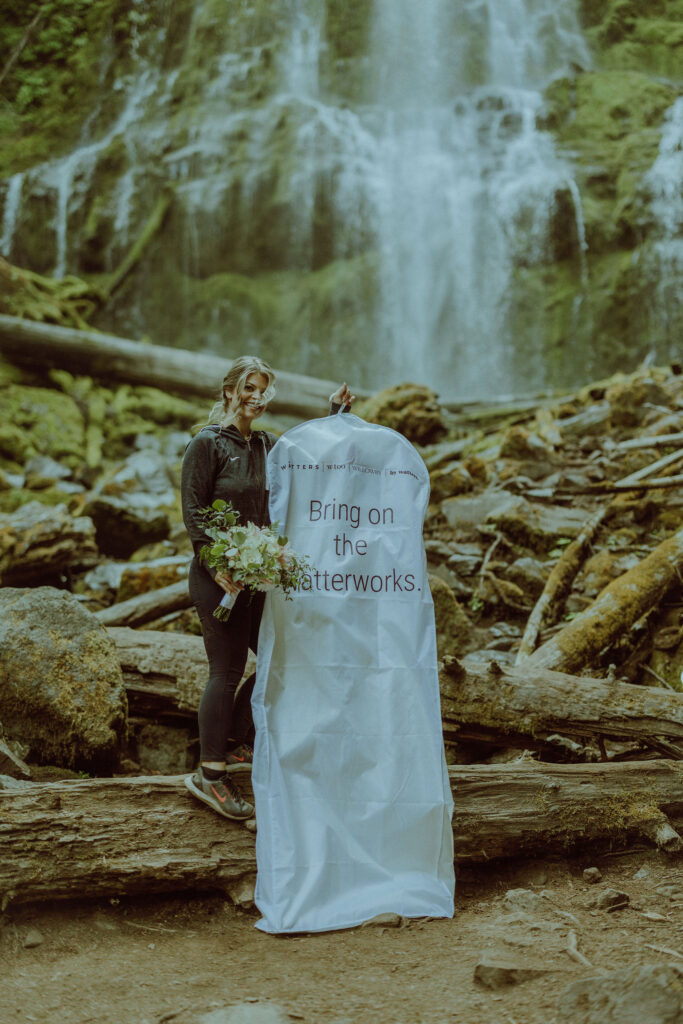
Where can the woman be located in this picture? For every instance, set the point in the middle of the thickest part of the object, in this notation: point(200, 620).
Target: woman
point(227, 459)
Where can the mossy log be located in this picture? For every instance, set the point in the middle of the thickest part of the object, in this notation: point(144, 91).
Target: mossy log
point(147, 607)
point(164, 673)
point(508, 705)
point(108, 837)
point(614, 610)
point(103, 356)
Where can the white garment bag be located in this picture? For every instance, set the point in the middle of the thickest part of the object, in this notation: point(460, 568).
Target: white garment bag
point(353, 802)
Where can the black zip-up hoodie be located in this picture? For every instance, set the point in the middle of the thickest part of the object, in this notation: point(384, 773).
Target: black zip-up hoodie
point(220, 462)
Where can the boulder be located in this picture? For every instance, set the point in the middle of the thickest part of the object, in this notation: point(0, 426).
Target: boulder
point(411, 409)
point(61, 686)
point(529, 574)
point(37, 543)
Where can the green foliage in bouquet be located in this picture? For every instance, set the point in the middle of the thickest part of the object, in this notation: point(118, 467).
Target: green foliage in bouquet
point(256, 556)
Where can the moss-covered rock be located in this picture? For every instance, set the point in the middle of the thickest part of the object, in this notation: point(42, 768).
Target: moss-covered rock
point(61, 688)
point(41, 421)
point(411, 409)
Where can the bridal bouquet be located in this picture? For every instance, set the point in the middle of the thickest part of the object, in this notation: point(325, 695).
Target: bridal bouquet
point(253, 555)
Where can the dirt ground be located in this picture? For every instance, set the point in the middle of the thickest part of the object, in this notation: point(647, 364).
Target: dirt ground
point(133, 961)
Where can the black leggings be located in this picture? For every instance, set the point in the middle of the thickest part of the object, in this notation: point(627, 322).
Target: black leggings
point(222, 715)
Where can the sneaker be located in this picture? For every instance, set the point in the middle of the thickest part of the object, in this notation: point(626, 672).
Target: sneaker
point(221, 795)
point(240, 758)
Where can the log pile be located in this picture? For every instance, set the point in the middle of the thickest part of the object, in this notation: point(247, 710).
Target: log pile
point(556, 548)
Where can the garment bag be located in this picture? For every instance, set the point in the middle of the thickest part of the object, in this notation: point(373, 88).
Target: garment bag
point(353, 802)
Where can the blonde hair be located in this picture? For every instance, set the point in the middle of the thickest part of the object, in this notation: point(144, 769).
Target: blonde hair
point(234, 382)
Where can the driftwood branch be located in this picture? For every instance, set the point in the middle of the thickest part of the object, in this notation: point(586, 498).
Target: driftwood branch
point(106, 837)
point(559, 582)
point(614, 610)
point(194, 374)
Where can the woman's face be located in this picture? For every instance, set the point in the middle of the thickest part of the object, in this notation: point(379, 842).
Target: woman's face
point(250, 401)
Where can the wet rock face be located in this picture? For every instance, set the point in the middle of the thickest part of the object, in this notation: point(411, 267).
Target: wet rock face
point(61, 687)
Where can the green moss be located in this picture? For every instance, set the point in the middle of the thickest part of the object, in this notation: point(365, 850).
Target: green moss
point(14, 498)
point(50, 421)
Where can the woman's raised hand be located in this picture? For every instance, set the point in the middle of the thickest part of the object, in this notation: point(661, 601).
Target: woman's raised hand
point(342, 396)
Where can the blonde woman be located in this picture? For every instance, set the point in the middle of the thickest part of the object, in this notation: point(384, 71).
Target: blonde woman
point(227, 459)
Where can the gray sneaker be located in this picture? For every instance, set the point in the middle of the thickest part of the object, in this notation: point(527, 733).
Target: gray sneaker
point(221, 795)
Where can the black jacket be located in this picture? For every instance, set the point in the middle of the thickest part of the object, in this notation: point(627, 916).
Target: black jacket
point(220, 463)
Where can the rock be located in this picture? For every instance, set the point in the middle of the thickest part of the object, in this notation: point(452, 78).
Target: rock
point(629, 400)
point(612, 899)
point(32, 939)
point(10, 762)
point(520, 443)
point(536, 526)
point(241, 891)
point(592, 875)
point(387, 920)
point(603, 567)
point(39, 543)
point(121, 528)
point(469, 513)
point(163, 749)
point(61, 687)
point(41, 421)
point(411, 409)
point(145, 481)
point(449, 480)
point(453, 628)
point(529, 574)
point(651, 995)
point(141, 577)
point(42, 471)
point(496, 972)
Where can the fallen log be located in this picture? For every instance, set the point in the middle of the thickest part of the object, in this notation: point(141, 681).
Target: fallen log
point(147, 607)
point(164, 673)
point(525, 705)
point(614, 610)
point(195, 374)
point(106, 837)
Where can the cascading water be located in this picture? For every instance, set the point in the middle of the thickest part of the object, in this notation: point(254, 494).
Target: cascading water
point(467, 181)
point(429, 184)
point(665, 183)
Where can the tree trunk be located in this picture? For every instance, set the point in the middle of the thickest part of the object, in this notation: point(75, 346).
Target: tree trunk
point(614, 610)
point(105, 837)
point(507, 705)
point(147, 607)
point(104, 356)
point(164, 673)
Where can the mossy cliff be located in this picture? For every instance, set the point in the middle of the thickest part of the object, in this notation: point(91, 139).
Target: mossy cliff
point(248, 111)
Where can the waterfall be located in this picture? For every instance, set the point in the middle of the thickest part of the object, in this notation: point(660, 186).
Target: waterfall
point(9, 218)
point(665, 184)
point(425, 187)
point(468, 182)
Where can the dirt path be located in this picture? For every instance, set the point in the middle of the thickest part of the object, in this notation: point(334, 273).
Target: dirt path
point(163, 960)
